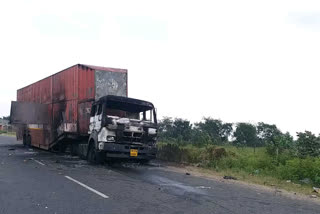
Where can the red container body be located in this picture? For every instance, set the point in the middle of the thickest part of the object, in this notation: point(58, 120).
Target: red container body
point(69, 95)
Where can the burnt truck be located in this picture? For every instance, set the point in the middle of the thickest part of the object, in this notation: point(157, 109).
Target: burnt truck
point(86, 110)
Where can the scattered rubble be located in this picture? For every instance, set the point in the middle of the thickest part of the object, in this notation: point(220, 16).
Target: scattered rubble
point(316, 189)
point(229, 177)
point(305, 181)
point(203, 187)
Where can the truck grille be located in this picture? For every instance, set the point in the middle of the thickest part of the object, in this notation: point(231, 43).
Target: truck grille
point(132, 136)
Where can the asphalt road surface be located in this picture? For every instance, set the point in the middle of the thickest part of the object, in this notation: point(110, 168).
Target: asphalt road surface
point(35, 181)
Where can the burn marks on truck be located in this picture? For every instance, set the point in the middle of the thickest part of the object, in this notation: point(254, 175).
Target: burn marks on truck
point(110, 83)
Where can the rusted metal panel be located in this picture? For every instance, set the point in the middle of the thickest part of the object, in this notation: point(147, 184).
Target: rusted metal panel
point(86, 83)
point(84, 116)
point(65, 85)
point(100, 68)
point(65, 117)
point(37, 136)
point(45, 90)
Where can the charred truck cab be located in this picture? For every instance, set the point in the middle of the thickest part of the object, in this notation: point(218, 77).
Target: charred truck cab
point(122, 127)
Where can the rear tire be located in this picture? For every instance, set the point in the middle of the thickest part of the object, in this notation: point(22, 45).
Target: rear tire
point(28, 141)
point(24, 140)
point(74, 149)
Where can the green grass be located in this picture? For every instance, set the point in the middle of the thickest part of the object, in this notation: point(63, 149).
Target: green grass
point(7, 133)
point(245, 164)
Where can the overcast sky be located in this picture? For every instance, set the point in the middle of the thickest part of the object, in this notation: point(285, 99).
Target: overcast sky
point(235, 60)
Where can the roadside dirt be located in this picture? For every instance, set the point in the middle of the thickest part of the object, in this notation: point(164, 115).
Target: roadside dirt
point(212, 175)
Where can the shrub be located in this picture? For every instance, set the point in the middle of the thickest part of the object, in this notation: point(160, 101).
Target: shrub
point(299, 169)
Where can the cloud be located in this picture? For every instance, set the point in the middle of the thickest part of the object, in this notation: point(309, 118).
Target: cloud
point(308, 20)
point(142, 27)
point(76, 25)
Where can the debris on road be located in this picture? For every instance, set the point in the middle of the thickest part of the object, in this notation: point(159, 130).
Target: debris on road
point(30, 153)
point(305, 181)
point(316, 189)
point(11, 149)
point(203, 187)
point(229, 177)
point(277, 191)
point(313, 196)
point(187, 173)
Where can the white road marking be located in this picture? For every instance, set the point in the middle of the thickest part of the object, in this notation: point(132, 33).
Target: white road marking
point(87, 187)
point(39, 162)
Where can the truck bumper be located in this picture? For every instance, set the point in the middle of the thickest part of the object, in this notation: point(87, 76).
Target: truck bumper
point(118, 150)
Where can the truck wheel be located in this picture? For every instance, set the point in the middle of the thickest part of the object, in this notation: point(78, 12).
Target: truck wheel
point(74, 149)
point(24, 140)
point(28, 141)
point(94, 156)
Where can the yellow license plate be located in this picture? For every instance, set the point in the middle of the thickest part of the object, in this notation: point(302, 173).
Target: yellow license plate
point(134, 152)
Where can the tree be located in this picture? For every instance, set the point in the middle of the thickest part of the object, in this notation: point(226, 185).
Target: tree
point(226, 131)
point(308, 144)
point(182, 129)
point(215, 129)
point(210, 126)
point(245, 135)
point(177, 129)
point(272, 137)
point(6, 117)
point(267, 133)
point(280, 143)
point(165, 128)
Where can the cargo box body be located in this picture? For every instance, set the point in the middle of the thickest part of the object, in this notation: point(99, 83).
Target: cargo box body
point(68, 95)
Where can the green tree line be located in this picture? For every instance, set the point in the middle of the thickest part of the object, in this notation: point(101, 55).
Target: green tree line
point(211, 131)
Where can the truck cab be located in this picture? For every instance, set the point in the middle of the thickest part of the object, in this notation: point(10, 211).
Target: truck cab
point(122, 127)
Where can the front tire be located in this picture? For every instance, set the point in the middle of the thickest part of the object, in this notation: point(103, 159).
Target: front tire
point(94, 156)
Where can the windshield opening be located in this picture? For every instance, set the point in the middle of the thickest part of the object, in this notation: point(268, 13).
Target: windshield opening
point(131, 111)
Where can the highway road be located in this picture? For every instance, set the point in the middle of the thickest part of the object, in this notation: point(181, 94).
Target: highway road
point(35, 181)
